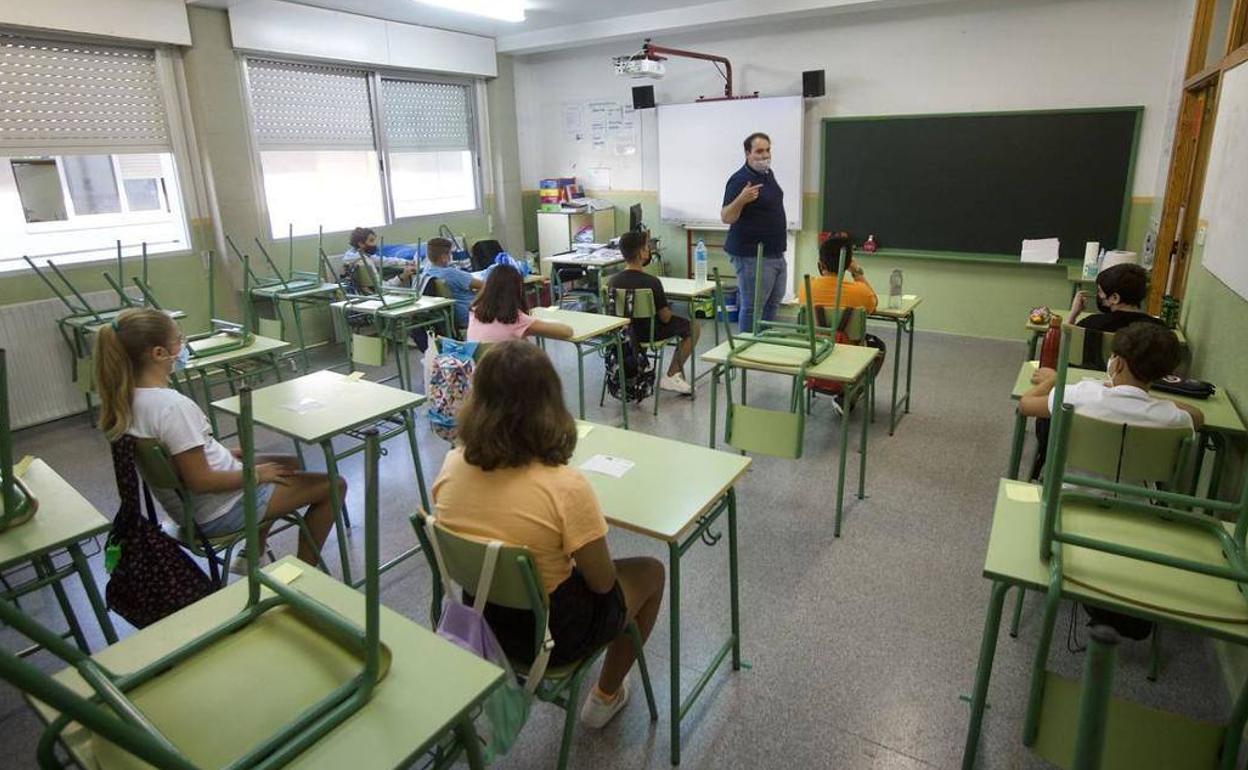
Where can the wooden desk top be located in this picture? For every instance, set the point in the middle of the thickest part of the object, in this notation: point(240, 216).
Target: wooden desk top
point(670, 485)
point(321, 405)
point(430, 682)
point(63, 518)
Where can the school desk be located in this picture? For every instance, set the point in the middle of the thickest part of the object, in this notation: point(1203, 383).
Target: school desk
point(1137, 737)
point(591, 332)
point(846, 364)
point(1222, 419)
point(902, 318)
point(64, 520)
point(1036, 332)
point(318, 407)
point(230, 366)
point(595, 262)
point(688, 291)
point(236, 693)
point(276, 294)
point(394, 324)
point(674, 493)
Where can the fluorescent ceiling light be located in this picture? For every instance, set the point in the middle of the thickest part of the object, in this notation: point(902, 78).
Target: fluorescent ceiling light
point(504, 10)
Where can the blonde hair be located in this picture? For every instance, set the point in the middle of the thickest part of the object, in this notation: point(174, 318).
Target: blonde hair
point(120, 351)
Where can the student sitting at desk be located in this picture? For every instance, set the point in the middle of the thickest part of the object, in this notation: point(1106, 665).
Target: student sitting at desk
point(461, 283)
point(499, 311)
point(509, 480)
point(855, 293)
point(635, 249)
point(1120, 290)
point(363, 243)
point(134, 358)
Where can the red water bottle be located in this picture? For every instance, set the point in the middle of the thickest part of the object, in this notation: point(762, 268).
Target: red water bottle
point(870, 245)
point(1052, 342)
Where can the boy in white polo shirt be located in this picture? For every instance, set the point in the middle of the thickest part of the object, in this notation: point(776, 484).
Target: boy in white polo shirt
point(1142, 353)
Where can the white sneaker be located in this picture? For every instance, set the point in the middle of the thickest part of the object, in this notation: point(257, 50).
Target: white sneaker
point(238, 565)
point(675, 383)
point(596, 714)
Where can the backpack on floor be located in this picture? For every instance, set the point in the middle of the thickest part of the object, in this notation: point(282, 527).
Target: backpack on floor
point(449, 366)
point(835, 388)
point(637, 366)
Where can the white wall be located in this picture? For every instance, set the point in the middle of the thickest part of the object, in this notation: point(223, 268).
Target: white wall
point(954, 57)
point(155, 21)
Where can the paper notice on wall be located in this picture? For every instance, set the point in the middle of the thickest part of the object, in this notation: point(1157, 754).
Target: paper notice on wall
point(574, 121)
point(598, 179)
point(1042, 251)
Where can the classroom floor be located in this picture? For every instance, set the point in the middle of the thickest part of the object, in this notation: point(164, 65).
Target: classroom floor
point(861, 648)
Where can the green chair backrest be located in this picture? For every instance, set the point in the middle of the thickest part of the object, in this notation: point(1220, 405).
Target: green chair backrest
point(617, 303)
point(463, 557)
point(766, 431)
point(1127, 452)
point(1089, 348)
point(156, 467)
point(853, 321)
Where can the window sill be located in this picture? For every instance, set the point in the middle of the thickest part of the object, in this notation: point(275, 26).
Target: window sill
point(14, 267)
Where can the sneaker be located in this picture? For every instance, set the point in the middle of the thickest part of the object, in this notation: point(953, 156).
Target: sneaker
point(596, 713)
point(238, 565)
point(675, 383)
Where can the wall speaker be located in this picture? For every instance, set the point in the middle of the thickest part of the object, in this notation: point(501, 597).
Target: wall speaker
point(643, 97)
point(812, 83)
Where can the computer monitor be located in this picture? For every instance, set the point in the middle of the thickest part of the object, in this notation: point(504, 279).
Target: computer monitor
point(634, 218)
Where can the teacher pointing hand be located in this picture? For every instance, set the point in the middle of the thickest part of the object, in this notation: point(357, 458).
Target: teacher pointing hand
point(754, 211)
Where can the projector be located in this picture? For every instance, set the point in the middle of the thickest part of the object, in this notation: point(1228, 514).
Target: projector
point(629, 67)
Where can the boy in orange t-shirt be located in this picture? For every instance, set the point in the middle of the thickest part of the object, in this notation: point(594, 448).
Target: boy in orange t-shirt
point(855, 293)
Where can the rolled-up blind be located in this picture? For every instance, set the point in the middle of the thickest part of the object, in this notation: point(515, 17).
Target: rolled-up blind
point(424, 117)
point(309, 106)
point(65, 98)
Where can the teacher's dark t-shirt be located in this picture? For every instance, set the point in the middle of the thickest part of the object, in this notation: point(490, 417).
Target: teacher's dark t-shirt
point(762, 221)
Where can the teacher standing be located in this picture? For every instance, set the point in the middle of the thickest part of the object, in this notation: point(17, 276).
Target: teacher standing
point(754, 211)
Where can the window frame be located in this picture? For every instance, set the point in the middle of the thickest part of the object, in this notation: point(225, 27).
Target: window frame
point(180, 150)
point(381, 147)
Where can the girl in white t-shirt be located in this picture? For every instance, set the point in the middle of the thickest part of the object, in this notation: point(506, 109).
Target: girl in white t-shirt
point(499, 312)
point(134, 358)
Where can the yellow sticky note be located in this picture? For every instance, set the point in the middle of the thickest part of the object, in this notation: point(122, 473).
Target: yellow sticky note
point(583, 429)
point(286, 573)
point(23, 465)
point(1023, 493)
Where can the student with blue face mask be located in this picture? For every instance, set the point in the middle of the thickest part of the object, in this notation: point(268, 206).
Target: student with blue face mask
point(134, 358)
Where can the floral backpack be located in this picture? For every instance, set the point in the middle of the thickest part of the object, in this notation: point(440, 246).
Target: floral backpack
point(449, 365)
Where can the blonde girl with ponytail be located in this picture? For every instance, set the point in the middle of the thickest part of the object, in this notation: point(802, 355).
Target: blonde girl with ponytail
point(134, 358)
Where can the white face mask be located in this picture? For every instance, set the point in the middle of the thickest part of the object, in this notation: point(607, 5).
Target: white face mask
point(761, 166)
point(1109, 367)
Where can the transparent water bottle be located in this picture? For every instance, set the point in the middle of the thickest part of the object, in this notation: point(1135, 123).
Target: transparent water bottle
point(699, 262)
point(894, 289)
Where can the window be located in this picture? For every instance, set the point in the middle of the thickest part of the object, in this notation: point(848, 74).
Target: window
point(330, 159)
point(86, 156)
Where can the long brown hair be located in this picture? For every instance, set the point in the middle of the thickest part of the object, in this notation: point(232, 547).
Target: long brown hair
point(120, 351)
point(515, 413)
point(502, 297)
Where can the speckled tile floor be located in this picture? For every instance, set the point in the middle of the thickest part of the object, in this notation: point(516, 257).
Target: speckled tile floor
point(860, 647)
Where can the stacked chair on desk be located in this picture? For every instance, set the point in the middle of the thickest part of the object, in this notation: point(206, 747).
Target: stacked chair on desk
point(1109, 541)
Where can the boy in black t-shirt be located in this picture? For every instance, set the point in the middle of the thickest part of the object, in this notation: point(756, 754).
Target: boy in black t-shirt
point(1120, 290)
point(636, 251)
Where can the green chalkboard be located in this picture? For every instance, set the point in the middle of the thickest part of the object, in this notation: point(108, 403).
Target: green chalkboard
point(981, 182)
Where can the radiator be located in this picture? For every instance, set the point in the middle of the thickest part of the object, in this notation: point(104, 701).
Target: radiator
point(41, 380)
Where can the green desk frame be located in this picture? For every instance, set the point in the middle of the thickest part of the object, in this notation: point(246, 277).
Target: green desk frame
point(339, 406)
point(642, 501)
point(903, 319)
point(591, 333)
point(394, 325)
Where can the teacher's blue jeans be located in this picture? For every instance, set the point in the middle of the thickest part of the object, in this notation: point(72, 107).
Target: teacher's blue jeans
point(775, 275)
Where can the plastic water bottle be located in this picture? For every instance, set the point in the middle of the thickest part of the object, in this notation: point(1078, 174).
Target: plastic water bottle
point(699, 262)
point(894, 289)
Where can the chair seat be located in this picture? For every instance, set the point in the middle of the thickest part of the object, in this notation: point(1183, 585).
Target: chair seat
point(1144, 583)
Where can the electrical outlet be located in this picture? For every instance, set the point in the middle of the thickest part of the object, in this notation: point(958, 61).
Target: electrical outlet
point(1200, 234)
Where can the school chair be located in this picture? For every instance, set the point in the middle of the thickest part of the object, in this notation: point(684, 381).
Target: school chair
point(852, 325)
point(1096, 529)
point(516, 585)
point(638, 305)
point(157, 470)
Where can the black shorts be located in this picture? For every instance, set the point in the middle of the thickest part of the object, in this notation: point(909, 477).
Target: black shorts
point(581, 621)
point(677, 327)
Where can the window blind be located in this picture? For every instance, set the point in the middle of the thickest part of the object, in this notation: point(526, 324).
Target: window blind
point(424, 117)
point(67, 98)
point(309, 106)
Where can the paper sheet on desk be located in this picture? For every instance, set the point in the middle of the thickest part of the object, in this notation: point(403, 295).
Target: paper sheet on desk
point(1041, 251)
point(304, 405)
point(607, 465)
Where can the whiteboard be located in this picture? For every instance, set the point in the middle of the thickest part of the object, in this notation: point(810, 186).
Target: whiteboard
point(700, 147)
point(1225, 203)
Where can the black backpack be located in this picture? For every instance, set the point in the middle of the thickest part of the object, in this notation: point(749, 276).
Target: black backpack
point(638, 369)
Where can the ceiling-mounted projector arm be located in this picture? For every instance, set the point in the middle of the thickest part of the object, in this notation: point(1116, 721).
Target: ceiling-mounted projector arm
point(652, 51)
